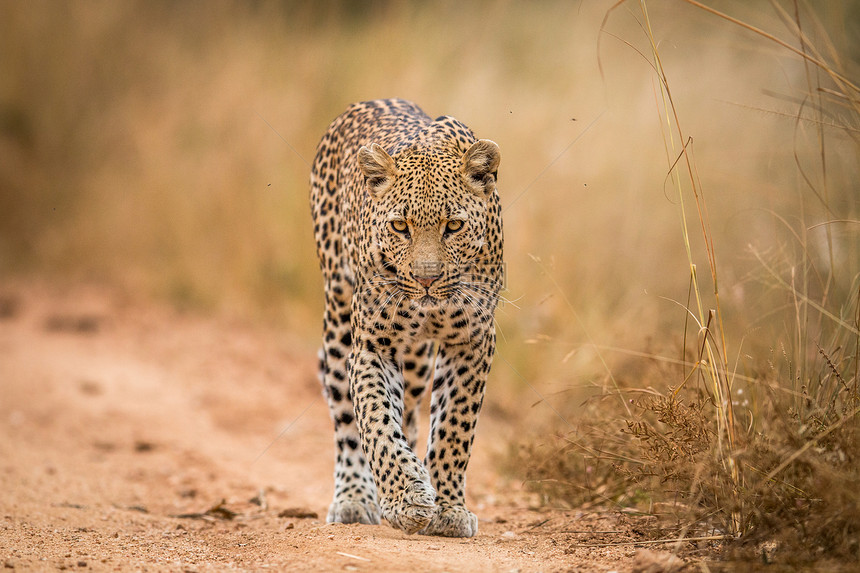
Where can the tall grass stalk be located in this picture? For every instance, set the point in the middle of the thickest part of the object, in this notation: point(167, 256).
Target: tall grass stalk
point(712, 357)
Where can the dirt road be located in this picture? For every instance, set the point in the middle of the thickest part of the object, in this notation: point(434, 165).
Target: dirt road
point(133, 437)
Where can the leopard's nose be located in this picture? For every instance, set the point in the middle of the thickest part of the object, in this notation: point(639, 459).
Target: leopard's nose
point(426, 281)
point(426, 272)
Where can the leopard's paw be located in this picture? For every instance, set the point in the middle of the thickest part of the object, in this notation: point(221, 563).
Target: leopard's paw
point(454, 521)
point(353, 511)
point(414, 509)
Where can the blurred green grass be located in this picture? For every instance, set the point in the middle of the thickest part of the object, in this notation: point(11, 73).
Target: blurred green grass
point(164, 147)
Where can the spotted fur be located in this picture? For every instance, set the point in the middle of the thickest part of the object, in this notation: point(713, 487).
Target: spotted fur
point(408, 229)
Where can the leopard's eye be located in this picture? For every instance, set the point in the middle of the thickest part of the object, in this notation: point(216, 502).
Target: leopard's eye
point(399, 225)
point(453, 226)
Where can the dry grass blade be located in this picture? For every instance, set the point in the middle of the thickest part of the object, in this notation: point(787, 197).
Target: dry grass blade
point(678, 541)
point(823, 65)
point(351, 556)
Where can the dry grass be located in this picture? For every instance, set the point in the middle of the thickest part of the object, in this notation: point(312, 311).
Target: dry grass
point(680, 209)
point(766, 455)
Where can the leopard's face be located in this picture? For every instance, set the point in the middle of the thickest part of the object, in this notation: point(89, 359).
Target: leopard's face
point(429, 218)
point(430, 246)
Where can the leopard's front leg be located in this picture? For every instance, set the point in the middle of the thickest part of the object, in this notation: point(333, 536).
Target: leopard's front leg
point(458, 392)
point(405, 495)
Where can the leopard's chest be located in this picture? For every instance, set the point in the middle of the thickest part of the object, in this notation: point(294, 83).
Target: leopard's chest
point(393, 321)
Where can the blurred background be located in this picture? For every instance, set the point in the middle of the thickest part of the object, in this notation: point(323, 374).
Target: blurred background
point(163, 148)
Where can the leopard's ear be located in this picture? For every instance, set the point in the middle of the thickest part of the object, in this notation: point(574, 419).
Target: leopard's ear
point(480, 166)
point(378, 169)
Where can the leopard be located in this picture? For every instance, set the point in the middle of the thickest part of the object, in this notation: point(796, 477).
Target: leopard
point(408, 229)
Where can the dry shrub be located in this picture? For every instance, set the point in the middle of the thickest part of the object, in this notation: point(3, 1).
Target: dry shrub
point(575, 468)
point(802, 466)
point(796, 464)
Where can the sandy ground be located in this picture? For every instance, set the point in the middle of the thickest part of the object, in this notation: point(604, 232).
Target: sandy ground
point(137, 438)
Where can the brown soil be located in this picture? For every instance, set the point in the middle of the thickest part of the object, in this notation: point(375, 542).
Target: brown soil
point(138, 438)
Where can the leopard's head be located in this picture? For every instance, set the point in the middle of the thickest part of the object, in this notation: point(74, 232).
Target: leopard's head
point(429, 216)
